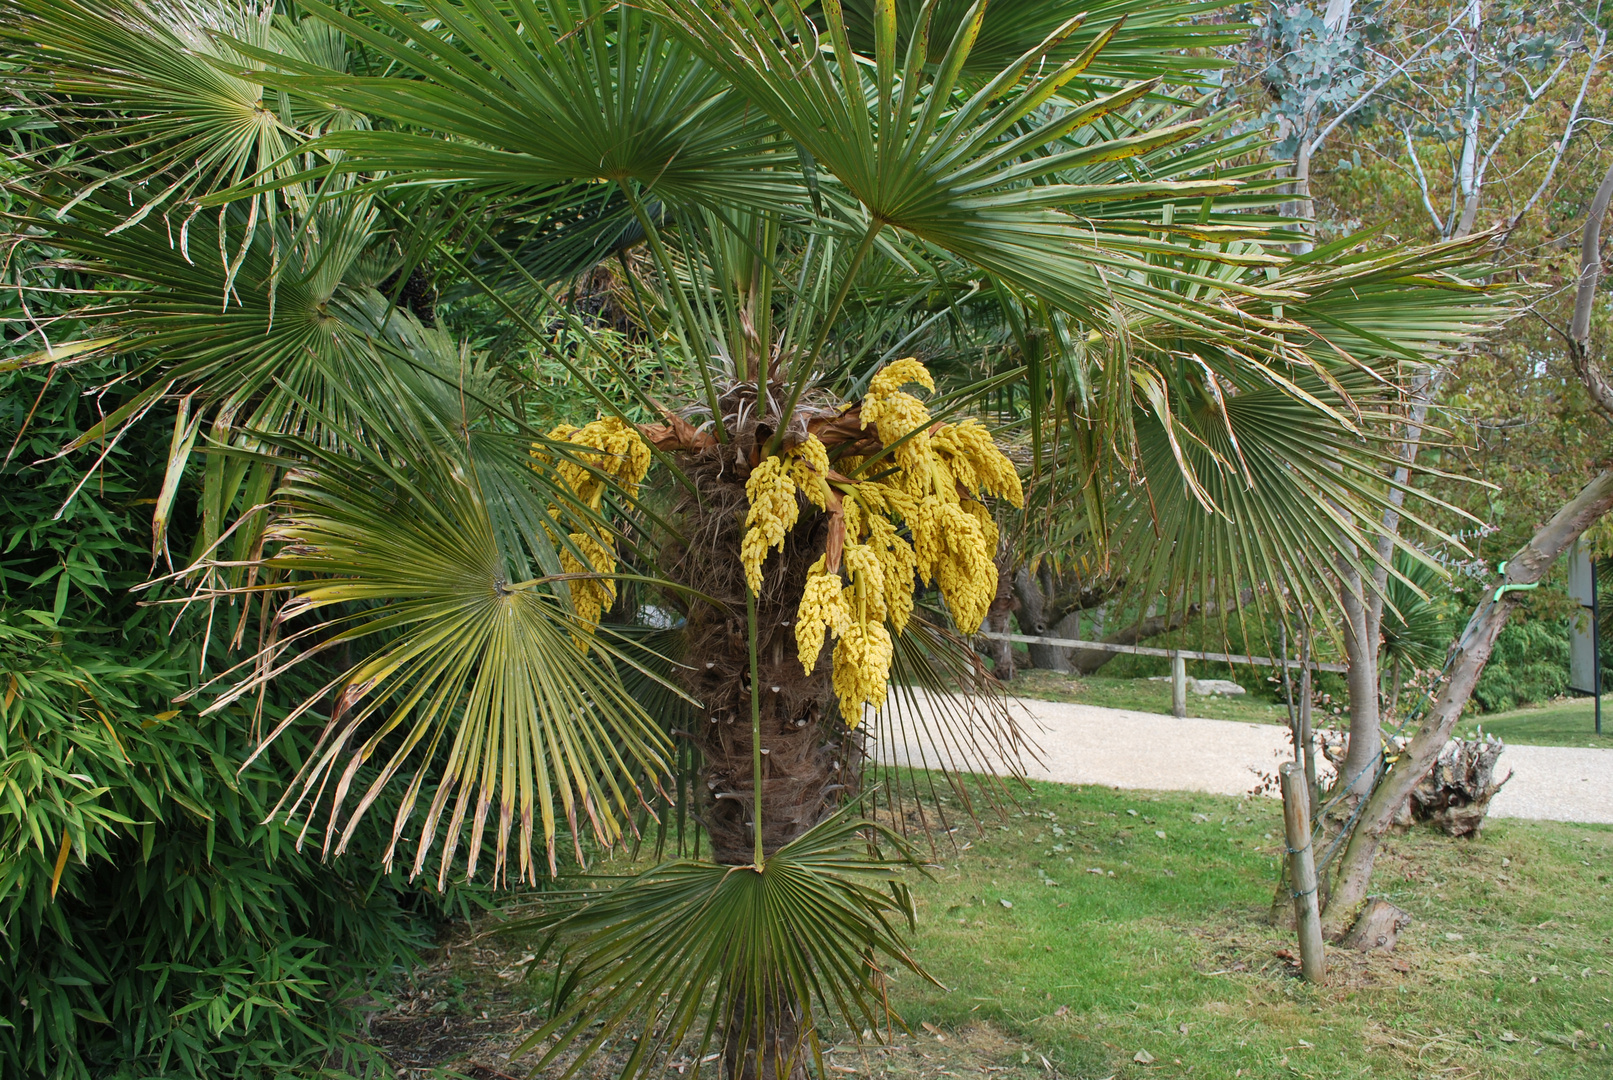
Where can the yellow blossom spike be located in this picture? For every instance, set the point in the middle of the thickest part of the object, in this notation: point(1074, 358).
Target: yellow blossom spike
point(868, 576)
point(590, 597)
point(822, 609)
point(977, 462)
point(896, 563)
point(809, 469)
point(963, 569)
point(609, 449)
point(987, 523)
point(897, 374)
point(620, 453)
point(773, 513)
point(900, 418)
point(862, 665)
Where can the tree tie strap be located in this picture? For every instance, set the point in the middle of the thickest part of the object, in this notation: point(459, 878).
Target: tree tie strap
point(1502, 589)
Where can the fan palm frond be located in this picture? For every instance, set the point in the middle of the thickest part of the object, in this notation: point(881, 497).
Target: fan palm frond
point(1416, 628)
point(964, 173)
point(535, 99)
point(1243, 478)
point(488, 684)
point(1173, 37)
point(702, 951)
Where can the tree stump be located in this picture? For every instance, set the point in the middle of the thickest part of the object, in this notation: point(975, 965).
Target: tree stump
point(1377, 929)
point(1456, 793)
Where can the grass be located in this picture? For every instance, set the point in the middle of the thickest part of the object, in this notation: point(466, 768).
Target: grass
point(1146, 695)
point(1562, 722)
point(1152, 944)
point(1170, 956)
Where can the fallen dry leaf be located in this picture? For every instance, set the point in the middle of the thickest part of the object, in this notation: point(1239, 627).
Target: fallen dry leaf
point(1143, 1057)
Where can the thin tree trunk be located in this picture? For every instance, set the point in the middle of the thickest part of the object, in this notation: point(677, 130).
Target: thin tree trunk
point(1361, 649)
point(1034, 604)
point(999, 616)
point(1528, 566)
point(1467, 176)
point(1361, 653)
point(1579, 328)
point(1394, 694)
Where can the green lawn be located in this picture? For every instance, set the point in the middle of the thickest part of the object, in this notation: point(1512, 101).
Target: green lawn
point(1564, 722)
point(1169, 956)
point(1091, 927)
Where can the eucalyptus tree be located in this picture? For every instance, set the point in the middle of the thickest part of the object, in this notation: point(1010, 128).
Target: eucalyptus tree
point(780, 194)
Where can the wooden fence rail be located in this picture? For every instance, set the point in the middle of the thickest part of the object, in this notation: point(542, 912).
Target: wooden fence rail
point(1144, 650)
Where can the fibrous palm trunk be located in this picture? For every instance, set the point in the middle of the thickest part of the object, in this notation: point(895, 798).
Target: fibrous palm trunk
point(810, 759)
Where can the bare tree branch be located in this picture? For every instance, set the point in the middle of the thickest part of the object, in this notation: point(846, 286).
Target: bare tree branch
point(1422, 180)
point(1398, 69)
point(1506, 129)
point(1590, 271)
point(1568, 133)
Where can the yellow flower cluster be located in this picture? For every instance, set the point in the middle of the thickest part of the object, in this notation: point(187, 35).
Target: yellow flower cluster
point(609, 450)
point(771, 490)
point(619, 453)
point(968, 452)
point(862, 669)
point(809, 470)
point(899, 417)
point(944, 469)
point(773, 513)
point(940, 473)
point(591, 597)
point(823, 608)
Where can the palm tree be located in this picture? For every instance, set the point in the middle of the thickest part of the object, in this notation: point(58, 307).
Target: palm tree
point(783, 202)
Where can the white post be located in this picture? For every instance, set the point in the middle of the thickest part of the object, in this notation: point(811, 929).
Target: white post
point(1302, 871)
point(1178, 685)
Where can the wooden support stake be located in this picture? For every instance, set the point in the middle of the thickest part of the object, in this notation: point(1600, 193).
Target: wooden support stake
point(1178, 685)
point(1302, 871)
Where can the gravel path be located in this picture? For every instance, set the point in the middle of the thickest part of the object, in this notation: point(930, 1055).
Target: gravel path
point(1085, 744)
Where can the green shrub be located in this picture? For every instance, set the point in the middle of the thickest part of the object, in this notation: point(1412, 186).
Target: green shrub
point(180, 936)
point(1529, 664)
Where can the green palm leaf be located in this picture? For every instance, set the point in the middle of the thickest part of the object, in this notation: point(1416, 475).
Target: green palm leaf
point(967, 173)
point(532, 98)
point(1154, 37)
point(486, 684)
point(163, 100)
point(1216, 479)
point(704, 951)
point(1416, 631)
